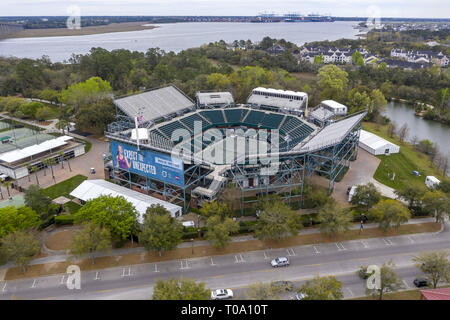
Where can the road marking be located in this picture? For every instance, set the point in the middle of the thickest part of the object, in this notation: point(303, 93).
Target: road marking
point(182, 265)
point(411, 239)
point(212, 262)
point(290, 252)
point(315, 249)
point(126, 274)
point(340, 246)
point(265, 256)
point(364, 243)
point(34, 284)
point(351, 292)
point(406, 284)
point(387, 242)
point(239, 258)
point(4, 287)
point(156, 268)
point(96, 276)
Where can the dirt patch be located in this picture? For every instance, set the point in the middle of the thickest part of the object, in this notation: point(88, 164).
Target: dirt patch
point(60, 240)
point(203, 251)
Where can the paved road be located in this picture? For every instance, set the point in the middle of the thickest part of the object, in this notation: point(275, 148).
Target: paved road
point(237, 270)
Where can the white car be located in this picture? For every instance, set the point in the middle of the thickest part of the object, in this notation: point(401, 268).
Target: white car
point(220, 294)
point(279, 262)
point(300, 296)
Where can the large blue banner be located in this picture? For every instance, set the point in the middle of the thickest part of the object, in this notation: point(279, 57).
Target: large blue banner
point(148, 163)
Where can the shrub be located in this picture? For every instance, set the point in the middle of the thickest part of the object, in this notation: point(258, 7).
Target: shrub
point(64, 219)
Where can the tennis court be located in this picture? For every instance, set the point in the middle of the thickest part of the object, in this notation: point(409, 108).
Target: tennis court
point(21, 138)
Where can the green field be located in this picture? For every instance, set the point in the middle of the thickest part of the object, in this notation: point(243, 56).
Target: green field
point(65, 187)
point(402, 163)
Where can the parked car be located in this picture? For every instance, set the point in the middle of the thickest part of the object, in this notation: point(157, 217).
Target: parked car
point(92, 171)
point(220, 294)
point(280, 262)
point(299, 296)
point(421, 282)
point(283, 285)
point(363, 274)
point(4, 177)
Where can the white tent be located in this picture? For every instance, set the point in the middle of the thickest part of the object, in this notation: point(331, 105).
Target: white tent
point(92, 189)
point(375, 144)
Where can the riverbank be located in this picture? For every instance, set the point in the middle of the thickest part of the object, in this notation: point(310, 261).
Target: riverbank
point(61, 32)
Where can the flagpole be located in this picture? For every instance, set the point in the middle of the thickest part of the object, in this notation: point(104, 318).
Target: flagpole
point(137, 132)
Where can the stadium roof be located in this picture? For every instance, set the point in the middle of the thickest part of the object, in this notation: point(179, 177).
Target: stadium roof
point(20, 154)
point(154, 104)
point(282, 92)
point(212, 98)
point(277, 98)
point(92, 189)
point(333, 133)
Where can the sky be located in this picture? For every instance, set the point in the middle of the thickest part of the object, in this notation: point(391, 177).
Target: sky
point(342, 8)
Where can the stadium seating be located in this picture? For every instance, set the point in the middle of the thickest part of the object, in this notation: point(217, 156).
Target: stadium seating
point(254, 118)
point(290, 124)
point(190, 120)
point(169, 128)
point(272, 120)
point(214, 116)
point(235, 116)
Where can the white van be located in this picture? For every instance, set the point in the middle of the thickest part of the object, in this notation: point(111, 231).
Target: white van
point(432, 181)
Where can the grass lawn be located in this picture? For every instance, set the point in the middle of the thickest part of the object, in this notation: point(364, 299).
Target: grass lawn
point(402, 163)
point(60, 240)
point(65, 187)
point(38, 270)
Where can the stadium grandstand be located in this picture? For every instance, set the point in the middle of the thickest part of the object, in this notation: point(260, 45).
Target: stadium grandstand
point(279, 100)
point(211, 100)
point(186, 155)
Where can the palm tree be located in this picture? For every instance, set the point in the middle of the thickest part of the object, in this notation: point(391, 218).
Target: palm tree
point(68, 163)
point(29, 169)
point(7, 184)
point(35, 169)
point(52, 162)
point(44, 162)
point(62, 124)
point(61, 158)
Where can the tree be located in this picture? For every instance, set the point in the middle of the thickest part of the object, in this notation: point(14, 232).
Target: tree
point(160, 231)
point(332, 82)
point(389, 212)
point(403, 132)
point(438, 203)
point(51, 162)
point(389, 281)
point(34, 169)
point(358, 100)
point(36, 199)
point(322, 288)
point(391, 129)
point(61, 158)
point(435, 265)
point(334, 219)
point(215, 208)
point(219, 231)
point(277, 221)
point(113, 213)
point(44, 113)
point(411, 193)
point(13, 219)
point(86, 93)
point(90, 240)
point(68, 162)
point(20, 247)
point(62, 125)
point(366, 195)
point(357, 59)
point(263, 291)
point(180, 289)
point(7, 184)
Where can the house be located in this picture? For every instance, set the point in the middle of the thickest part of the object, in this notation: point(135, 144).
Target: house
point(276, 49)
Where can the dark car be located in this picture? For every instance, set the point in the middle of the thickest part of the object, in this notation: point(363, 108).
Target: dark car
point(283, 285)
point(421, 282)
point(363, 274)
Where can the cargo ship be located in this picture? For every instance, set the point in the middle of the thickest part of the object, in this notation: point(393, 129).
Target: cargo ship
point(262, 18)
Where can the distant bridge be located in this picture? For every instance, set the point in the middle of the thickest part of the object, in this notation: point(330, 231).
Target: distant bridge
point(7, 28)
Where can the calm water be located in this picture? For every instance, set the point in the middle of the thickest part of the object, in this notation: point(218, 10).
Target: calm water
point(436, 132)
point(176, 37)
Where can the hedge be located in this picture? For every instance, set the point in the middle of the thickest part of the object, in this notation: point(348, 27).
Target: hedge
point(64, 219)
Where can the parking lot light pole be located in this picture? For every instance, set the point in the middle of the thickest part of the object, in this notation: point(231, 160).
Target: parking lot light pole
point(192, 240)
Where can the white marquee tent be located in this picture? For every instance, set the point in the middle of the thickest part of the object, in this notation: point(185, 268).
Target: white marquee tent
point(92, 189)
point(375, 144)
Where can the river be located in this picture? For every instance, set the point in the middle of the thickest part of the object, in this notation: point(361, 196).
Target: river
point(176, 37)
point(436, 132)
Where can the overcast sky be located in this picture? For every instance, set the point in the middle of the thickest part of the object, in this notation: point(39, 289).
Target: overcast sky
point(386, 8)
